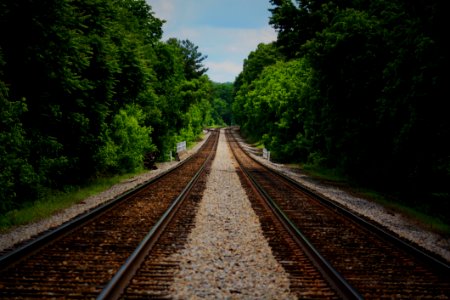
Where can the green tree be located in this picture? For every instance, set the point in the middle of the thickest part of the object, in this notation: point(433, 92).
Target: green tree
point(348, 76)
point(265, 55)
point(276, 109)
point(76, 65)
point(192, 59)
point(183, 104)
point(17, 177)
point(222, 102)
point(126, 141)
point(196, 95)
point(378, 72)
point(91, 89)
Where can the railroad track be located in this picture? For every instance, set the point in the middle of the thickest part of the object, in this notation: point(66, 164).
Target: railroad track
point(355, 258)
point(98, 254)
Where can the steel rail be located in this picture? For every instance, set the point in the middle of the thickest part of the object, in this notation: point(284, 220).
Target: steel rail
point(438, 264)
point(331, 275)
point(27, 249)
point(422, 255)
point(117, 285)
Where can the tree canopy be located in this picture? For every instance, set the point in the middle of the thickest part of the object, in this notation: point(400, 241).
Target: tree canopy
point(355, 86)
point(88, 89)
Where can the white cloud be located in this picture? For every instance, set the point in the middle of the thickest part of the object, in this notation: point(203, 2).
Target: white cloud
point(223, 71)
point(246, 40)
point(227, 66)
point(164, 9)
point(243, 36)
point(226, 47)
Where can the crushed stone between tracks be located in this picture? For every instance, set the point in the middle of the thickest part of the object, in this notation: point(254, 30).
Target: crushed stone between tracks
point(227, 256)
point(393, 221)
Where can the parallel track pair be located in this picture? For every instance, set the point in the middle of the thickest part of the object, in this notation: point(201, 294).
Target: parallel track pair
point(356, 258)
point(97, 254)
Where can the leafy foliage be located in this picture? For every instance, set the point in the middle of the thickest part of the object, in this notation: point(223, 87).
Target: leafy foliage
point(264, 55)
point(280, 91)
point(17, 176)
point(88, 88)
point(364, 97)
point(222, 102)
point(126, 141)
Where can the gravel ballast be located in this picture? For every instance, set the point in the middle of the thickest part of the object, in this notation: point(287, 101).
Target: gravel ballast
point(227, 256)
point(25, 232)
point(393, 221)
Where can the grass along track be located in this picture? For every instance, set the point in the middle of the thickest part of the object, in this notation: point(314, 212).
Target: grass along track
point(80, 262)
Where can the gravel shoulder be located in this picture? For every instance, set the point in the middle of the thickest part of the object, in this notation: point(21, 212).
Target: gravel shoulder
point(397, 223)
point(25, 232)
point(227, 256)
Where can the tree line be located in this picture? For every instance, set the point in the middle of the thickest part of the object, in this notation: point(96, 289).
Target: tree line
point(88, 88)
point(354, 86)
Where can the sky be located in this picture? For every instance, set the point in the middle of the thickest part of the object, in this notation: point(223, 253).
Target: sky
point(224, 30)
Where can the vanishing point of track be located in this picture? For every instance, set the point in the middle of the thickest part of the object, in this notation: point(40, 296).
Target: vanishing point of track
point(124, 248)
point(358, 259)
